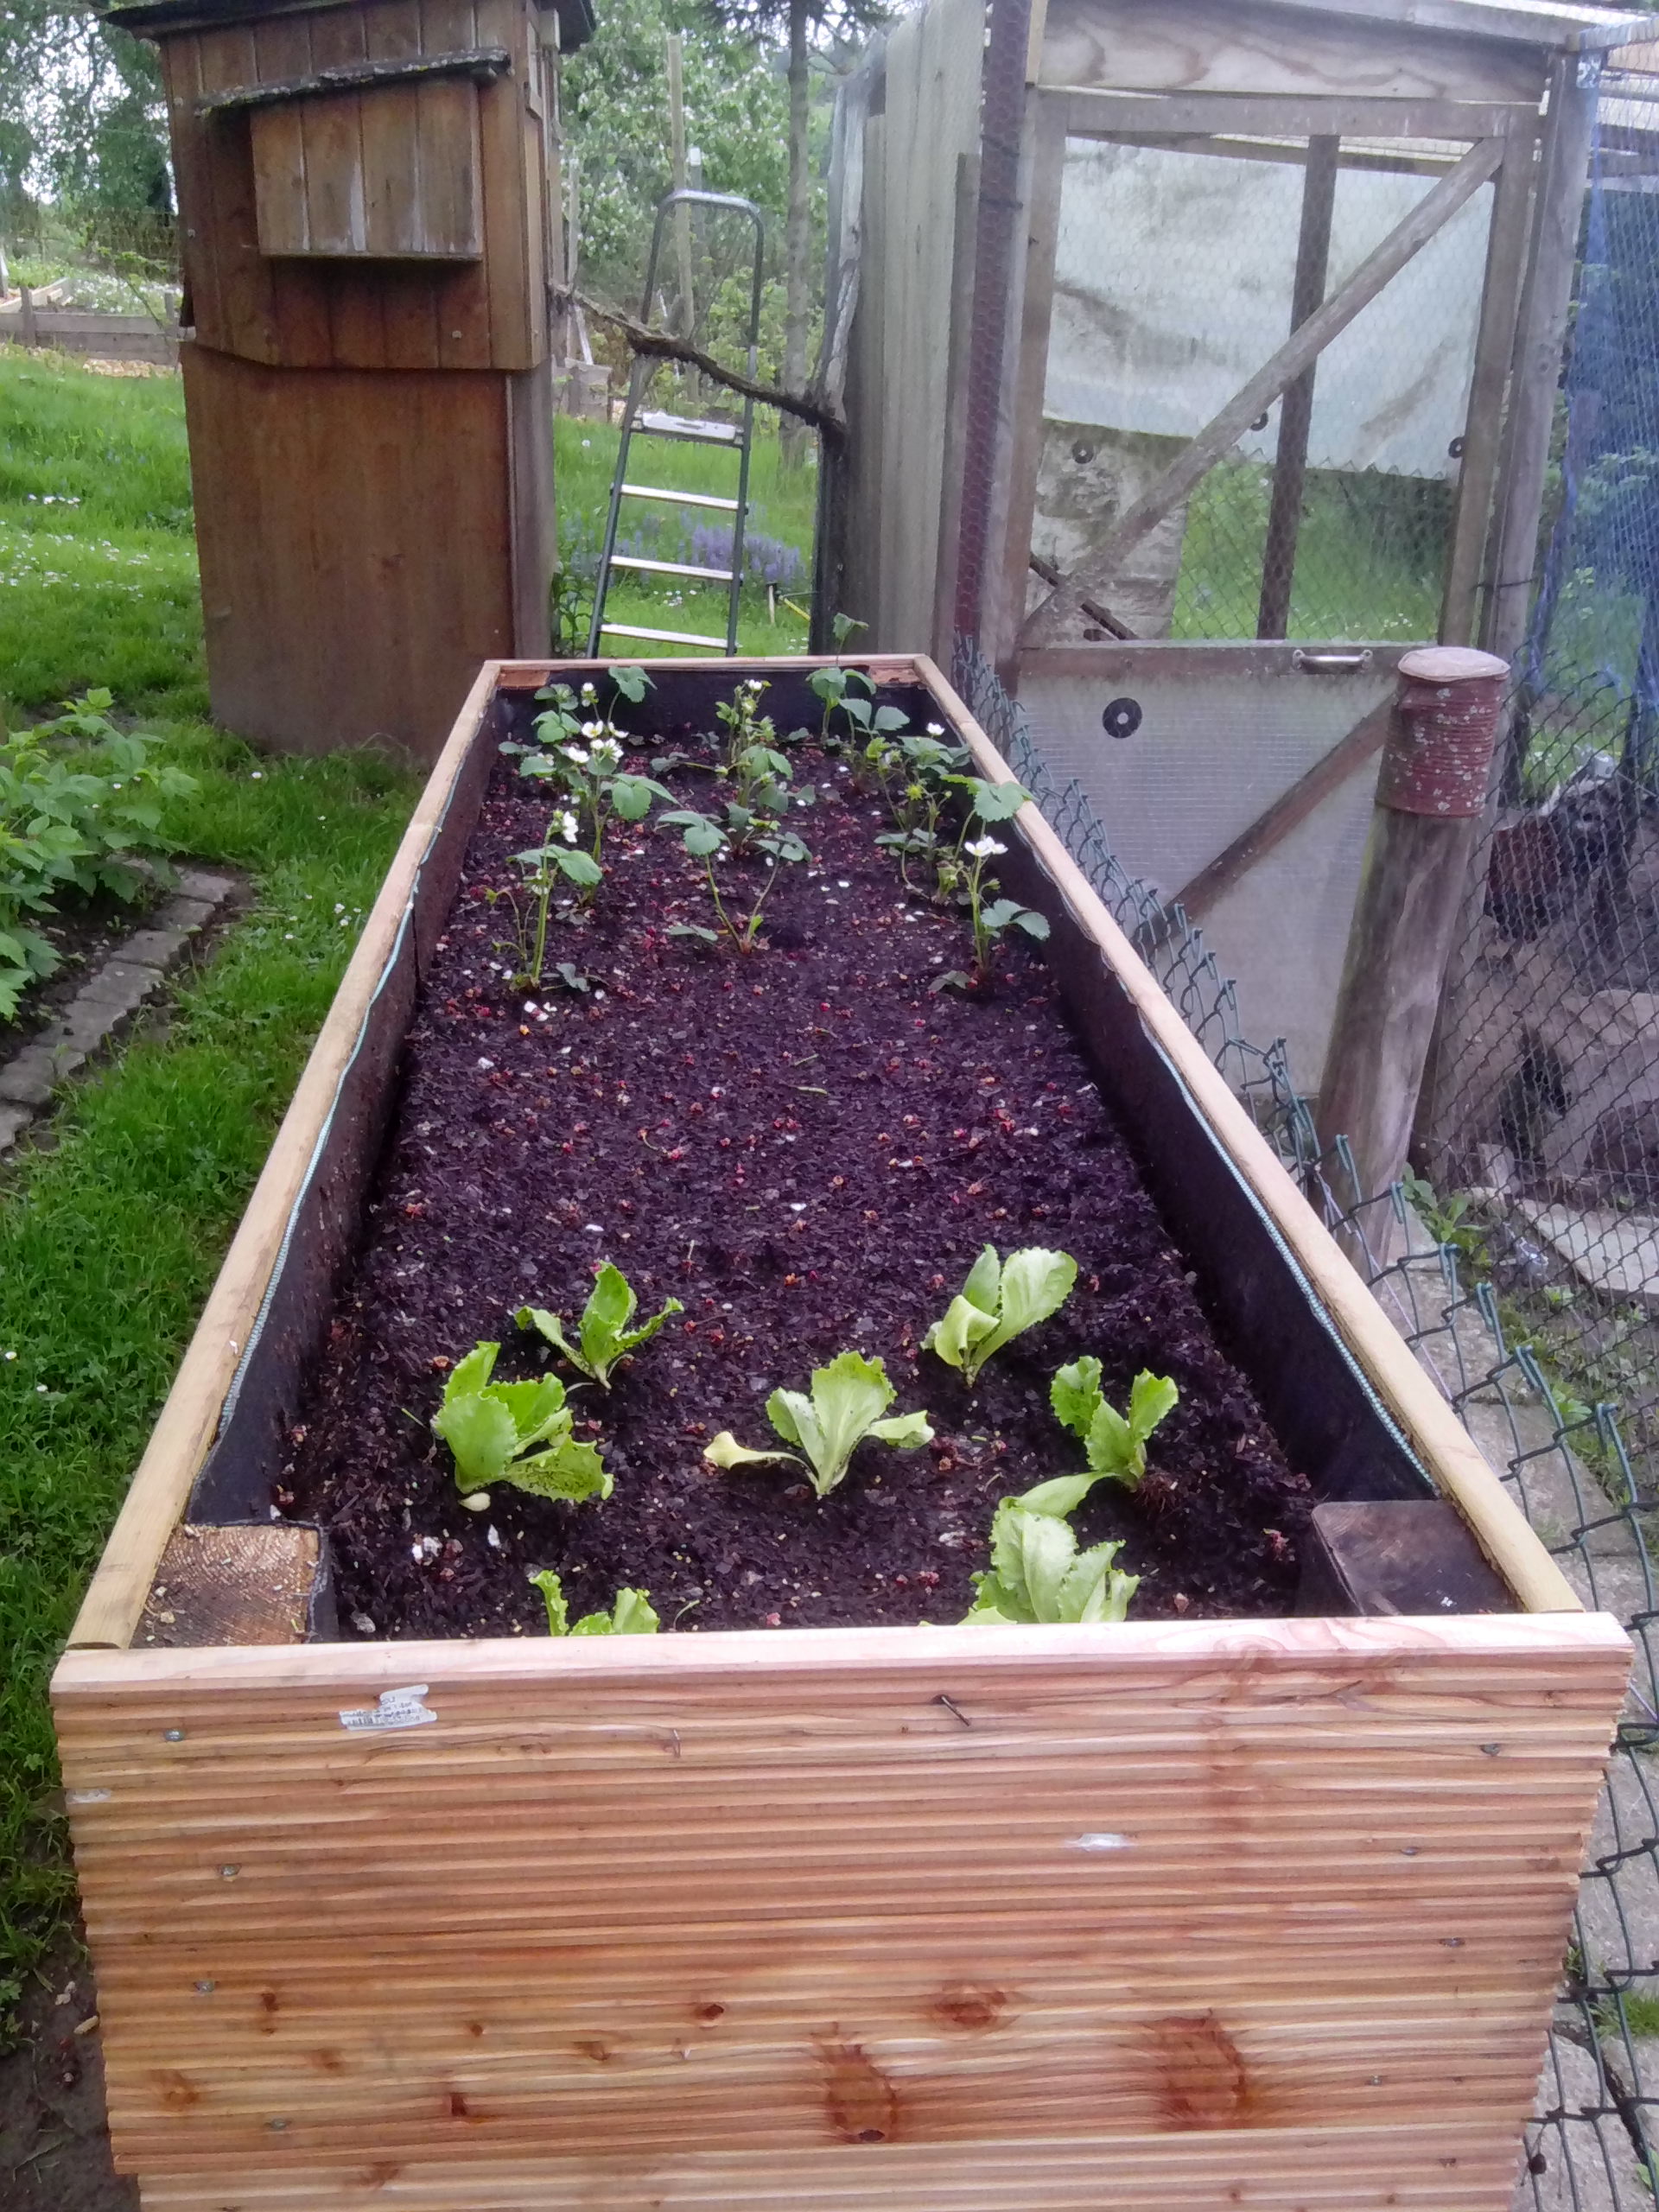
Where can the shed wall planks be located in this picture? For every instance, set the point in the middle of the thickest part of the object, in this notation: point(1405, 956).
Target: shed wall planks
point(1285, 1889)
point(281, 202)
point(421, 460)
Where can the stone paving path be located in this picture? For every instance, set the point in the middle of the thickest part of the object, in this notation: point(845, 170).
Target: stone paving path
point(132, 975)
point(1597, 2118)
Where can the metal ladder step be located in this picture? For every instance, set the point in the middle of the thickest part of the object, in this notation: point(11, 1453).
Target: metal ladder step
point(679, 499)
point(689, 428)
point(663, 637)
point(668, 567)
point(734, 438)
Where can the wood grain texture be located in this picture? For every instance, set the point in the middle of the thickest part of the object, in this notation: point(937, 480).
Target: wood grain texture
point(315, 494)
point(360, 230)
point(738, 1894)
point(1439, 2170)
point(254, 1584)
point(944, 1919)
point(184, 1433)
point(1220, 46)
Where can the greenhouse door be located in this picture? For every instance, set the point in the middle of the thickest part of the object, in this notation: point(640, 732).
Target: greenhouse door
point(1262, 361)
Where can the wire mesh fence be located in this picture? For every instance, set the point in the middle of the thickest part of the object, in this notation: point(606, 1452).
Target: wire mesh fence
point(1176, 273)
point(1594, 2141)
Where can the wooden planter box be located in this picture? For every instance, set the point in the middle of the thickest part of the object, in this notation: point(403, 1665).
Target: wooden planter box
point(1262, 1913)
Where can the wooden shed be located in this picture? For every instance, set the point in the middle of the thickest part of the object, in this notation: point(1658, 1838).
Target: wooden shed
point(1151, 290)
point(363, 193)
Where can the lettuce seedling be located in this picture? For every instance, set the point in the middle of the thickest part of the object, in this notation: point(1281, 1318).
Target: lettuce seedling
point(1116, 1447)
point(999, 1299)
point(1037, 1573)
point(847, 1399)
point(631, 1613)
point(603, 1336)
point(491, 1427)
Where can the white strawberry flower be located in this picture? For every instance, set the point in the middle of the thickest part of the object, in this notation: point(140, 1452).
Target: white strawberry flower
point(982, 847)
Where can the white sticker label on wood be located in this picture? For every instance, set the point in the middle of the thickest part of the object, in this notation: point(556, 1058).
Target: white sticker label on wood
point(396, 1709)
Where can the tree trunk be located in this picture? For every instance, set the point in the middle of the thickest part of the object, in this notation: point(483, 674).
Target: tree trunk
point(797, 237)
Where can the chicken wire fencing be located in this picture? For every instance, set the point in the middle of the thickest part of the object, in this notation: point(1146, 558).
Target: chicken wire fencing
point(1594, 2140)
point(1175, 279)
point(1540, 1131)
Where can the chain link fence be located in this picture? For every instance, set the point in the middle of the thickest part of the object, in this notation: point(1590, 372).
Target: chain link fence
point(1594, 2141)
point(1542, 1130)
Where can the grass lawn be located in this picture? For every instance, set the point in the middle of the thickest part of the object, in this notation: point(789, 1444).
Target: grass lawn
point(110, 1239)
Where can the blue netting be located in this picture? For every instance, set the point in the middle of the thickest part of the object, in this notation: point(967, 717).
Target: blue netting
point(1590, 662)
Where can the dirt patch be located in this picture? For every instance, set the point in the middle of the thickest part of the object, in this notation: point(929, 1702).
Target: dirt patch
point(808, 1148)
point(55, 2146)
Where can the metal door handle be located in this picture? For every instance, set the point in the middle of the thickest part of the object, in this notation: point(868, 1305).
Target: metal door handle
point(1337, 664)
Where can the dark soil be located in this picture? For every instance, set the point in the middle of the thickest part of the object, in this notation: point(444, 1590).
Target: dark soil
point(54, 2145)
point(85, 933)
point(808, 1149)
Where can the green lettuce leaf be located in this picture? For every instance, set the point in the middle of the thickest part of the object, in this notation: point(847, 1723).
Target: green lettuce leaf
point(827, 1422)
point(1037, 1572)
point(998, 1300)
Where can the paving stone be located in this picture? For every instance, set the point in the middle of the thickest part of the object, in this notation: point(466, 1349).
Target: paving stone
point(1618, 1899)
point(119, 986)
point(14, 1120)
point(83, 1026)
point(202, 883)
point(185, 914)
point(157, 948)
point(1590, 2164)
point(30, 1079)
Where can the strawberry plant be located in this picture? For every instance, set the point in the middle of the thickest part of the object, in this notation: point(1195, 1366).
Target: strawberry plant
point(844, 1405)
point(631, 1613)
point(1114, 1444)
point(603, 1336)
point(493, 1430)
point(998, 1300)
point(707, 840)
point(1037, 1573)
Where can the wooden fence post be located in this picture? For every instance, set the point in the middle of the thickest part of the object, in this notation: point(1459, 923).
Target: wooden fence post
point(26, 315)
point(1430, 793)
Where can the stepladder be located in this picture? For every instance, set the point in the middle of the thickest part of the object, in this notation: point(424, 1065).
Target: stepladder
point(657, 425)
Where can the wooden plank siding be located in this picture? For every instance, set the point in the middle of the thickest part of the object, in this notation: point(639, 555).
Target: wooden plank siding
point(899, 354)
point(447, 168)
point(1230, 46)
point(1291, 1891)
point(418, 470)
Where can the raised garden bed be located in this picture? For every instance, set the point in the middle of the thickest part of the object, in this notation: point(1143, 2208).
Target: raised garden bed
point(1221, 1904)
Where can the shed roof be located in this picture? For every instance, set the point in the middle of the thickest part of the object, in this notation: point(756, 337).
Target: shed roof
point(1566, 28)
point(147, 17)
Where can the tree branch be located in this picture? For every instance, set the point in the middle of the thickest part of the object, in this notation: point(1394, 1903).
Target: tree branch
point(828, 422)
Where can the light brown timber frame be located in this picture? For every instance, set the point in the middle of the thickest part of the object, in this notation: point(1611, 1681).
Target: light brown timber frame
point(949, 1920)
point(161, 1488)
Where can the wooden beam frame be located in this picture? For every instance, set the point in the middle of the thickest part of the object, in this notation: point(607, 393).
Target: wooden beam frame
point(1289, 812)
point(1506, 253)
point(1007, 612)
point(1102, 115)
point(1545, 305)
point(1408, 238)
point(1296, 410)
